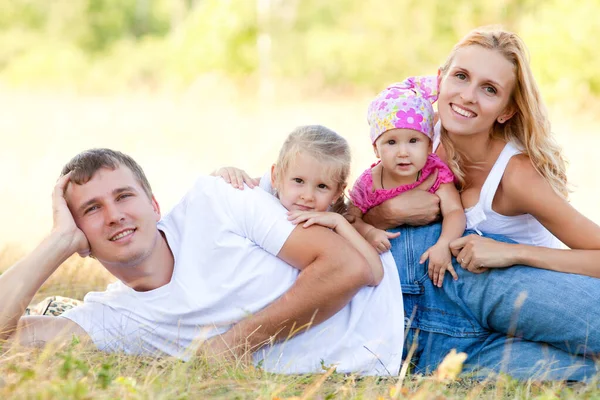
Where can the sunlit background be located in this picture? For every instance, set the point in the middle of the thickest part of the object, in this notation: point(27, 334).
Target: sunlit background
point(185, 86)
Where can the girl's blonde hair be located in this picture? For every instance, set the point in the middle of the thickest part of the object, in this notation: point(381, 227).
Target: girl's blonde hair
point(324, 145)
point(529, 127)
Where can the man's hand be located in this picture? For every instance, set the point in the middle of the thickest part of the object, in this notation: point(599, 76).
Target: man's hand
point(63, 223)
point(415, 207)
point(230, 347)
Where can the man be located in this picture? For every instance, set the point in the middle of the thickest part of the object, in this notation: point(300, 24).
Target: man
point(223, 264)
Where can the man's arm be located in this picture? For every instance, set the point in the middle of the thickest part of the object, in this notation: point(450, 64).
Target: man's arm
point(332, 271)
point(415, 207)
point(20, 282)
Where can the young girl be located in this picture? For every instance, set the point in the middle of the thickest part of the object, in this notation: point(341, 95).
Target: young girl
point(401, 122)
point(309, 179)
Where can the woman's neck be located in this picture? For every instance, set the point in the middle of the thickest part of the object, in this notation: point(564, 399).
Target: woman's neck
point(476, 147)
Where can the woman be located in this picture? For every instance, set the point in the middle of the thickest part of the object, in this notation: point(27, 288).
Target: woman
point(495, 135)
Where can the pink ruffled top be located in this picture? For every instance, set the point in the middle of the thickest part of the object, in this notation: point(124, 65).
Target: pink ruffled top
point(365, 197)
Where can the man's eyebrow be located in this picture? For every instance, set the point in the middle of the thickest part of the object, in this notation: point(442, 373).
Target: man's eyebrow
point(114, 192)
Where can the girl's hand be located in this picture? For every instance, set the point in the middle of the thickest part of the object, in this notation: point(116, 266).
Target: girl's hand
point(440, 261)
point(236, 177)
point(329, 220)
point(475, 253)
point(380, 239)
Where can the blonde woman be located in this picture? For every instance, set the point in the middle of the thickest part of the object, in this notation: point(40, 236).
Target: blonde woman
point(495, 135)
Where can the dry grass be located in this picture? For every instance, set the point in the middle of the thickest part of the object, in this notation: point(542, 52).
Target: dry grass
point(77, 372)
point(175, 138)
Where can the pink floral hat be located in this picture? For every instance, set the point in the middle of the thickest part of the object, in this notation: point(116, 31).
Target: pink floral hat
point(406, 104)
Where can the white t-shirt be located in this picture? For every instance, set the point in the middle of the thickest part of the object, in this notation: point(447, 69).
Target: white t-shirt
point(225, 243)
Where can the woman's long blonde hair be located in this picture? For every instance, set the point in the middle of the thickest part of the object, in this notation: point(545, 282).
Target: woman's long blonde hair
point(529, 127)
point(324, 145)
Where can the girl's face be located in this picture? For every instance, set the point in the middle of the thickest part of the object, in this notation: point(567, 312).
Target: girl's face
point(403, 152)
point(476, 91)
point(306, 185)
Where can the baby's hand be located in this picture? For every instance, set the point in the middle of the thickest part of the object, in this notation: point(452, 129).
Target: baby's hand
point(440, 260)
point(329, 220)
point(380, 239)
point(236, 177)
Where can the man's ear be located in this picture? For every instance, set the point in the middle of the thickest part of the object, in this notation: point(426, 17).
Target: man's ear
point(156, 208)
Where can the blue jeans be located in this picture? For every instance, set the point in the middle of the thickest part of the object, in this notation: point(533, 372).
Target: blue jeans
point(523, 321)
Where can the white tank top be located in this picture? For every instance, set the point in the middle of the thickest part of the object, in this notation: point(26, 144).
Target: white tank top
point(523, 228)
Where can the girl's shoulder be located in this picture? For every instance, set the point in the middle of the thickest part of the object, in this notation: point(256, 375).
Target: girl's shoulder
point(434, 162)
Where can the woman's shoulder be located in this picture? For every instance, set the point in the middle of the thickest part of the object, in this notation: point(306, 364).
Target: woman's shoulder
point(519, 170)
point(522, 183)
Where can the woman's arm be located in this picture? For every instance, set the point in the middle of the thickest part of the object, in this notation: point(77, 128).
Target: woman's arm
point(342, 227)
point(532, 194)
point(526, 191)
point(415, 207)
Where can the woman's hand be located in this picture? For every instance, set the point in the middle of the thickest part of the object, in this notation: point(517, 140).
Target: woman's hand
point(329, 220)
point(236, 177)
point(475, 253)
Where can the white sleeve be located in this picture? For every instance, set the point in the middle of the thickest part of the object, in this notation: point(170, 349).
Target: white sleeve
point(260, 218)
point(252, 213)
point(105, 326)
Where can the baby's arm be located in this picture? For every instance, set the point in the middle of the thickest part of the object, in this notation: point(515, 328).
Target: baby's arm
point(236, 177)
point(453, 214)
point(378, 238)
point(342, 227)
point(453, 226)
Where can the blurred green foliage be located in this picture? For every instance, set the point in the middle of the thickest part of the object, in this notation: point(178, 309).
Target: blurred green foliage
point(115, 44)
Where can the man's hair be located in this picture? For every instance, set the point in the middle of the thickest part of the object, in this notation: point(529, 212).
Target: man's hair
point(85, 164)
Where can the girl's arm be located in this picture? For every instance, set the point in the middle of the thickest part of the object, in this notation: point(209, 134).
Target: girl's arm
point(377, 238)
point(453, 226)
point(454, 220)
point(528, 192)
point(342, 227)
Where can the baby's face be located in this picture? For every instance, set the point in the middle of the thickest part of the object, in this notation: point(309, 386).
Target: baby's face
point(403, 152)
point(307, 185)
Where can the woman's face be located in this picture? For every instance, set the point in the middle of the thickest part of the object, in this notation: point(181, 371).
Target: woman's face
point(476, 91)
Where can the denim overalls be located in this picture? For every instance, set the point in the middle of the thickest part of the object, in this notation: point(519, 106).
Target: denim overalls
point(499, 318)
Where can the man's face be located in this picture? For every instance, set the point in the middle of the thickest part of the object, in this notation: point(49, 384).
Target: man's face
point(116, 216)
